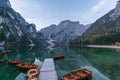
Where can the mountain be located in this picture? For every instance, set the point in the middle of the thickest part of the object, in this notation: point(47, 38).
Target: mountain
point(65, 31)
point(105, 30)
point(13, 28)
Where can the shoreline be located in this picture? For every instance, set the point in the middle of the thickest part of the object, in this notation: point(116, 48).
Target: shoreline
point(104, 46)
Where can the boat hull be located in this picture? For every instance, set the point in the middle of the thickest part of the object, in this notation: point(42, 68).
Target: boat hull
point(58, 57)
point(77, 75)
point(2, 61)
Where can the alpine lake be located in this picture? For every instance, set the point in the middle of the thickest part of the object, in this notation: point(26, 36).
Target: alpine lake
point(104, 63)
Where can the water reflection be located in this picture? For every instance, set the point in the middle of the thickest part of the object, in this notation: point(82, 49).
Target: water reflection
point(96, 75)
point(74, 60)
point(21, 76)
point(102, 62)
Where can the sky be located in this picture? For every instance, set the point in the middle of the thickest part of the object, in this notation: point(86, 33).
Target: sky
point(46, 12)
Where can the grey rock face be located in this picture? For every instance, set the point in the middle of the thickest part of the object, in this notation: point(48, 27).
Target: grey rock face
point(116, 12)
point(5, 3)
point(13, 28)
point(65, 31)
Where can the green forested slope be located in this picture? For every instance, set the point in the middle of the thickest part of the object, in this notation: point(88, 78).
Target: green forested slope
point(104, 31)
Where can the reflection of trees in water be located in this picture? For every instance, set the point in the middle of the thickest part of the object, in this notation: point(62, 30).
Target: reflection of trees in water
point(74, 58)
point(23, 53)
point(105, 60)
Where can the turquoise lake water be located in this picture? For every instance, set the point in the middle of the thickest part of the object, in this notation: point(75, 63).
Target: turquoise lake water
point(104, 63)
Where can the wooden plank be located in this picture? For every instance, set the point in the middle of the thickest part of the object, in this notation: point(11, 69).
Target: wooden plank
point(47, 71)
point(48, 65)
point(49, 75)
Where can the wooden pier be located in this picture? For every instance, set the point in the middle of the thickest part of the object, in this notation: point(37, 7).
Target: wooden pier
point(47, 71)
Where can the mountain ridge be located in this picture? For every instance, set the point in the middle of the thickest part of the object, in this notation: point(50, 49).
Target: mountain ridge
point(63, 32)
point(5, 3)
point(13, 27)
point(105, 30)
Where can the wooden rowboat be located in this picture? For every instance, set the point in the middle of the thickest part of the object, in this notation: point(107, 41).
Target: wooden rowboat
point(2, 61)
point(14, 61)
point(26, 66)
point(77, 75)
point(32, 74)
point(58, 57)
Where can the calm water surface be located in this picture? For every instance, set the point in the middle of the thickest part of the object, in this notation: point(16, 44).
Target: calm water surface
point(104, 63)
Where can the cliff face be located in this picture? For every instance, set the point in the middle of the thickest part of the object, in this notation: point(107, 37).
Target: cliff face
point(116, 12)
point(14, 28)
point(65, 31)
point(5, 3)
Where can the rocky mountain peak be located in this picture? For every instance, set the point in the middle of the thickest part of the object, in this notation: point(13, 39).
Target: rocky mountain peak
point(14, 28)
point(67, 23)
point(64, 32)
point(116, 12)
point(5, 3)
point(118, 4)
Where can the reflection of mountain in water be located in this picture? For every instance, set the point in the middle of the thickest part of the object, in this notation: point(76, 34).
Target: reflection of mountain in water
point(73, 60)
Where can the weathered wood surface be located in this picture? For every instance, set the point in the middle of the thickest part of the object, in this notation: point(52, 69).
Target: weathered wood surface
point(47, 71)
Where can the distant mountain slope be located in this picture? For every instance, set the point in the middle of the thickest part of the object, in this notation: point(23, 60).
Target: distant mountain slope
point(105, 30)
point(13, 28)
point(64, 32)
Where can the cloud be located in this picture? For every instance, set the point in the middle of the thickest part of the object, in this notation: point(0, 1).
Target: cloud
point(43, 12)
point(98, 6)
point(96, 11)
point(30, 14)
